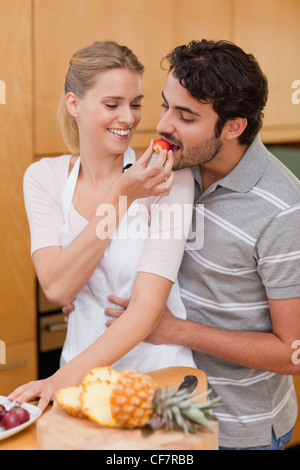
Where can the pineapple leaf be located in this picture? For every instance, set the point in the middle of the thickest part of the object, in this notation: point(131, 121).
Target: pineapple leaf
point(196, 416)
point(214, 403)
point(156, 422)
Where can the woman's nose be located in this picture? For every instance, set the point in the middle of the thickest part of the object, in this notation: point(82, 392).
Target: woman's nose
point(126, 116)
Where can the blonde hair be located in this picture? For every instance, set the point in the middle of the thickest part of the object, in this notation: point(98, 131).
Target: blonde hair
point(84, 67)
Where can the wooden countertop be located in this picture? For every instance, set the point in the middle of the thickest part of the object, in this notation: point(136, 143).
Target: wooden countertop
point(24, 440)
point(32, 437)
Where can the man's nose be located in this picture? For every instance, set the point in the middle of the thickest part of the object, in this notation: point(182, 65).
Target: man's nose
point(165, 124)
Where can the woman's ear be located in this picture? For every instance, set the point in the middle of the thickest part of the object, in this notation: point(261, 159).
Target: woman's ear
point(72, 104)
point(234, 128)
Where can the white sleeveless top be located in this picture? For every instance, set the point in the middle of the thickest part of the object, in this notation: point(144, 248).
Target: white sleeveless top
point(115, 274)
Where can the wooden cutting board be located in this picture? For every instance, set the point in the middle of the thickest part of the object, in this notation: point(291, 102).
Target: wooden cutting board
point(56, 430)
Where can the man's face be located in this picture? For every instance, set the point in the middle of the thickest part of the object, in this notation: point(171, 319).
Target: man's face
point(188, 125)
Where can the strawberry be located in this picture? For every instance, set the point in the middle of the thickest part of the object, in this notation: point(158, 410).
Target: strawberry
point(160, 144)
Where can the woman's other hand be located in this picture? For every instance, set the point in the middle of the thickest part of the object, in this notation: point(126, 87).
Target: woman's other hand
point(67, 310)
point(42, 390)
point(162, 331)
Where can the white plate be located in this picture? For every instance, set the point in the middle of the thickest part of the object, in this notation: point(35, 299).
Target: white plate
point(34, 412)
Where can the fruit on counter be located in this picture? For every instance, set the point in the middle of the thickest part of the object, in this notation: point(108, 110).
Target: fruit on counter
point(22, 414)
point(131, 399)
point(95, 403)
point(127, 403)
point(102, 373)
point(13, 417)
point(160, 144)
point(10, 420)
point(70, 399)
point(98, 384)
point(2, 412)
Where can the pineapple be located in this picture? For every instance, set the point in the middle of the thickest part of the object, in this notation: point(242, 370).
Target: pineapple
point(180, 409)
point(131, 399)
point(102, 373)
point(97, 388)
point(70, 399)
point(136, 401)
point(95, 402)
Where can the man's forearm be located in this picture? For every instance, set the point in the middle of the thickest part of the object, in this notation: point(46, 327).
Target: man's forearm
point(258, 350)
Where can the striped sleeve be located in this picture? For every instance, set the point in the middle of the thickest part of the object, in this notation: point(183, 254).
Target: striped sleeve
point(278, 251)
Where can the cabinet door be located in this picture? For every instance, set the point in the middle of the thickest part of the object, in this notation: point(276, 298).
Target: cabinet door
point(270, 30)
point(17, 311)
point(150, 28)
point(200, 19)
point(64, 26)
point(20, 367)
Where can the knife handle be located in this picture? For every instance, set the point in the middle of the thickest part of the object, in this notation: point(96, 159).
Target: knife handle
point(190, 383)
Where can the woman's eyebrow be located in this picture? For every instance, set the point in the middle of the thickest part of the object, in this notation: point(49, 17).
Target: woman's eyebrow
point(121, 97)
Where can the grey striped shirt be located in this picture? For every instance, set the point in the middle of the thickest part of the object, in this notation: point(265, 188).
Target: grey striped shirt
point(251, 252)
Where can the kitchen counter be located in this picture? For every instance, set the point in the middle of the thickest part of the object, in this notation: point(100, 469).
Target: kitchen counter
point(27, 440)
point(56, 430)
point(24, 440)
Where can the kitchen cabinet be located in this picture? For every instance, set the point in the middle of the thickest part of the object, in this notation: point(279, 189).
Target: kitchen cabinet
point(200, 19)
point(17, 288)
point(21, 366)
point(270, 30)
point(64, 26)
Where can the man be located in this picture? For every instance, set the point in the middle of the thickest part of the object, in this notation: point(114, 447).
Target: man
point(242, 288)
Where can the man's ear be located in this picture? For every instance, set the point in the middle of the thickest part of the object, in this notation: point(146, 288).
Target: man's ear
point(234, 128)
point(72, 104)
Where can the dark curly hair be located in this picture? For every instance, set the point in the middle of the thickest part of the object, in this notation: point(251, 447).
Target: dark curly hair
point(221, 73)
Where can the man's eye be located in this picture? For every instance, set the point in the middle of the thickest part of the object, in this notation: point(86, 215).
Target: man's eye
point(136, 106)
point(186, 120)
point(164, 105)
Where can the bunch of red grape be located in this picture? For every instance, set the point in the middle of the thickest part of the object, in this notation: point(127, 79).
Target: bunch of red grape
point(13, 417)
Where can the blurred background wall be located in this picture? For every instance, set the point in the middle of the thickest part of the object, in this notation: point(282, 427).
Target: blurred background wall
point(270, 29)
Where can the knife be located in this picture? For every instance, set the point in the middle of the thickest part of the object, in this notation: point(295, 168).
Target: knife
point(189, 384)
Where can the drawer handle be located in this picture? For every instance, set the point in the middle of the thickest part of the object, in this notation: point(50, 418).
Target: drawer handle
point(55, 327)
point(14, 365)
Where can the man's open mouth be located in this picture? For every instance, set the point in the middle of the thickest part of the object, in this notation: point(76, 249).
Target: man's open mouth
point(174, 147)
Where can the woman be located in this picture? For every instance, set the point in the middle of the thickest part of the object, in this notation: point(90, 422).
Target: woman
point(90, 233)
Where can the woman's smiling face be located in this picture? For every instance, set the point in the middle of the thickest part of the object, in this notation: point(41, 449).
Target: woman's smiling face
point(110, 111)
